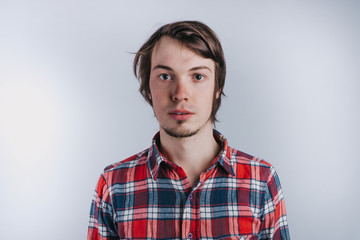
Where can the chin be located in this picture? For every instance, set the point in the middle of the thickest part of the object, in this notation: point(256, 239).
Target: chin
point(180, 133)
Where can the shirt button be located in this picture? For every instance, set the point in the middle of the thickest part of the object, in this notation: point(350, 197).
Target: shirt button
point(190, 196)
point(190, 235)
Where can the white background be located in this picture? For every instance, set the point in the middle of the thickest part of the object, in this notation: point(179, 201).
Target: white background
point(69, 104)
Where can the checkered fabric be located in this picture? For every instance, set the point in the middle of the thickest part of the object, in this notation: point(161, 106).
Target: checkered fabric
point(149, 197)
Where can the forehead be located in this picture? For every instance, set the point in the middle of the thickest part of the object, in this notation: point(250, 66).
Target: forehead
point(171, 51)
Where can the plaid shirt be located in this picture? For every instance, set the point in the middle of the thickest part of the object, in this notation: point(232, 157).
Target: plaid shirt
point(149, 197)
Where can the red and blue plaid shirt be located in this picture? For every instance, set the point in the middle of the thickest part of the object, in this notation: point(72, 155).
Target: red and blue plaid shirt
point(149, 197)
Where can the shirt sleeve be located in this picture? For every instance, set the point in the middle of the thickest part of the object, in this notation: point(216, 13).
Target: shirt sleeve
point(274, 221)
point(102, 225)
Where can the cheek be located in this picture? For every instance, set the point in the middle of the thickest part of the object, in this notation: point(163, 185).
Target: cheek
point(158, 96)
point(159, 101)
point(207, 100)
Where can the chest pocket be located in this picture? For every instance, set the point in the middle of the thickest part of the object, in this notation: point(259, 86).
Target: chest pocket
point(225, 213)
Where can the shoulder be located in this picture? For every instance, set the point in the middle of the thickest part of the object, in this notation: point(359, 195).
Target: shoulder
point(122, 169)
point(130, 162)
point(251, 167)
point(245, 158)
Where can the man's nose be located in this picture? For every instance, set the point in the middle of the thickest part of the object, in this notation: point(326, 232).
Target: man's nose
point(180, 91)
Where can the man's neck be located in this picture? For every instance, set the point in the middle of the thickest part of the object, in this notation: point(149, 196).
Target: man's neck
point(194, 154)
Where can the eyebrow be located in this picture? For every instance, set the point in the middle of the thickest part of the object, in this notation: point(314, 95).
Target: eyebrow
point(199, 68)
point(163, 67)
point(170, 69)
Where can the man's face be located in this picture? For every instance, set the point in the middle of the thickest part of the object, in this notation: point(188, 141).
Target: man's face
point(181, 88)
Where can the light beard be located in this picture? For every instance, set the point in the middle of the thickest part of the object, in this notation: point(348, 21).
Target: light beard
point(180, 134)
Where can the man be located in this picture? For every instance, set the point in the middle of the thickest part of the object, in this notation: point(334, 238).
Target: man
point(189, 183)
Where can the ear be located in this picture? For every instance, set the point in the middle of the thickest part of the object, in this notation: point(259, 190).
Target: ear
point(149, 96)
point(217, 95)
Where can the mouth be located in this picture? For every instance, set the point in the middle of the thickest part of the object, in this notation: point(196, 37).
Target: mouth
point(181, 114)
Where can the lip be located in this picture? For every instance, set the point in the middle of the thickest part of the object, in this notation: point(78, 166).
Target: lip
point(181, 114)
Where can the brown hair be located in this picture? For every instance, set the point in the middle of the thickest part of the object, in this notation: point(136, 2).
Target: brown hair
point(197, 37)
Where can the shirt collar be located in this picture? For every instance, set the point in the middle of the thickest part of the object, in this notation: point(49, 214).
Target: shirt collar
point(224, 157)
point(155, 158)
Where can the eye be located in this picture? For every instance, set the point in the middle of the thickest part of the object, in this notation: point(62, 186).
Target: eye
point(199, 77)
point(164, 76)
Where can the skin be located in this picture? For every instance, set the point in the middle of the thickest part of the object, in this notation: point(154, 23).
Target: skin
point(182, 89)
